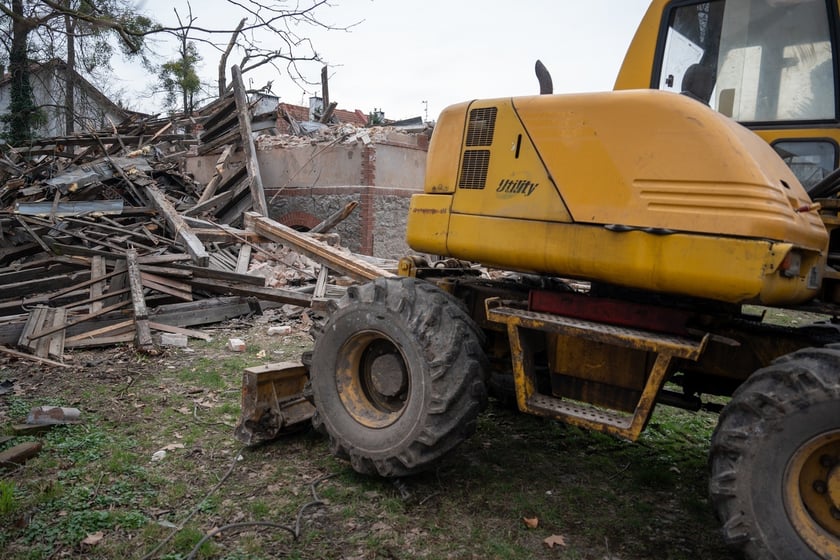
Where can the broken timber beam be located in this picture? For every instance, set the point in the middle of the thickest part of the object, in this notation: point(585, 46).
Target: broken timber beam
point(179, 227)
point(314, 249)
point(335, 218)
point(141, 313)
point(24, 356)
point(19, 454)
point(263, 293)
point(251, 164)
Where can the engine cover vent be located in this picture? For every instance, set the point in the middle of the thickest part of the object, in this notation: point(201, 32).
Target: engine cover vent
point(474, 169)
point(480, 127)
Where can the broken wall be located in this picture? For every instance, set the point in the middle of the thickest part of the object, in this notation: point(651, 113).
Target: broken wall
point(307, 181)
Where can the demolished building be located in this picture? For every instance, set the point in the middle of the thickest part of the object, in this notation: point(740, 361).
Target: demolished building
point(111, 236)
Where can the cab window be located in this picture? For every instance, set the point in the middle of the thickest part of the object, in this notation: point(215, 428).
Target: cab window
point(752, 60)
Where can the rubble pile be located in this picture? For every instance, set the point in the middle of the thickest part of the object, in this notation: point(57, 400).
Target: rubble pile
point(104, 240)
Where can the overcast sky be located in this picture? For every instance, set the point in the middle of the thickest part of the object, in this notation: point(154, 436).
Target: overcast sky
point(407, 52)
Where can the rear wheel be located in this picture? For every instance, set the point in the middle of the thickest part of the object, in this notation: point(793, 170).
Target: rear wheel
point(775, 460)
point(397, 376)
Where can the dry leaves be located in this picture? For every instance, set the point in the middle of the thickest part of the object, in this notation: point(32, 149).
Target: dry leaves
point(531, 522)
point(555, 540)
point(93, 538)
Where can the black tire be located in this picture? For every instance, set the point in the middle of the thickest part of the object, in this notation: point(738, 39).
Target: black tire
point(775, 460)
point(397, 376)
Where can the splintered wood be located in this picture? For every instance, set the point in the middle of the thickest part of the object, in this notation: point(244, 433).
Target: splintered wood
point(104, 240)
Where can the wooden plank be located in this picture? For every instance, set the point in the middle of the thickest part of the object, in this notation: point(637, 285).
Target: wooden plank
point(81, 319)
point(314, 249)
point(55, 347)
point(118, 284)
point(102, 330)
point(78, 250)
point(34, 323)
point(335, 218)
point(216, 143)
point(42, 344)
point(233, 211)
point(43, 285)
point(210, 204)
point(182, 314)
point(178, 330)
point(101, 341)
point(165, 288)
point(244, 259)
point(321, 284)
point(251, 163)
point(97, 271)
point(162, 259)
point(165, 271)
point(34, 235)
point(211, 187)
point(88, 238)
point(180, 228)
point(141, 313)
point(108, 296)
point(199, 272)
point(268, 294)
point(85, 284)
point(116, 227)
point(19, 454)
point(30, 357)
point(168, 282)
point(218, 235)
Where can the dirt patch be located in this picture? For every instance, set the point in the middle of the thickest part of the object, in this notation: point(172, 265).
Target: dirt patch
point(95, 490)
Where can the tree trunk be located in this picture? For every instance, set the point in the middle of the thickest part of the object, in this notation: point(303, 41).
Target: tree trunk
point(225, 55)
point(22, 106)
point(185, 72)
point(70, 78)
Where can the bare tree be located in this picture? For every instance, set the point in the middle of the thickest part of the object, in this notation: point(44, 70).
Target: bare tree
point(179, 77)
point(86, 33)
point(75, 20)
point(284, 26)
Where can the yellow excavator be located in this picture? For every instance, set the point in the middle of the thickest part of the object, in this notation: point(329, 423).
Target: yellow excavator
point(629, 236)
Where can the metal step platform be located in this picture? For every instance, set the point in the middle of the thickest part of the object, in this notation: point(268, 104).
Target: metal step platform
point(629, 426)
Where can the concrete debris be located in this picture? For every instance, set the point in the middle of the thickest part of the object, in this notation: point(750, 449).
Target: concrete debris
point(341, 134)
point(53, 415)
point(236, 345)
point(159, 455)
point(173, 339)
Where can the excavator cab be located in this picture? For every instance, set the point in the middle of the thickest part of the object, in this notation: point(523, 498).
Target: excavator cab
point(769, 64)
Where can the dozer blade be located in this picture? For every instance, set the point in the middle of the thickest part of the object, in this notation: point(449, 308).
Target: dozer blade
point(273, 402)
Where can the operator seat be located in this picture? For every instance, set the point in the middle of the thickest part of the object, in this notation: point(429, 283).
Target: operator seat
point(698, 82)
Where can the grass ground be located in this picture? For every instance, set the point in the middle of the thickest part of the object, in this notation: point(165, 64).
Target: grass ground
point(95, 491)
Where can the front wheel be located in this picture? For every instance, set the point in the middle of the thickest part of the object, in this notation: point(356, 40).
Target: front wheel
point(775, 460)
point(397, 376)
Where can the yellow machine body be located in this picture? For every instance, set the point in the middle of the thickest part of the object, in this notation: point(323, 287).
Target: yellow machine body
point(640, 188)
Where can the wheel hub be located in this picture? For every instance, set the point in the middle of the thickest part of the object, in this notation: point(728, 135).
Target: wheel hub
point(834, 486)
point(812, 493)
point(373, 381)
point(383, 376)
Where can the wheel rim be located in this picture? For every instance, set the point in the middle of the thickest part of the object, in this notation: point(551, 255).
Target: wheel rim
point(812, 493)
point(373, 379)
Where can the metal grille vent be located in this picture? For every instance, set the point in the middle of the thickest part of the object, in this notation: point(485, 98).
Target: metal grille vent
point(480, 127)
point(474, 169)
